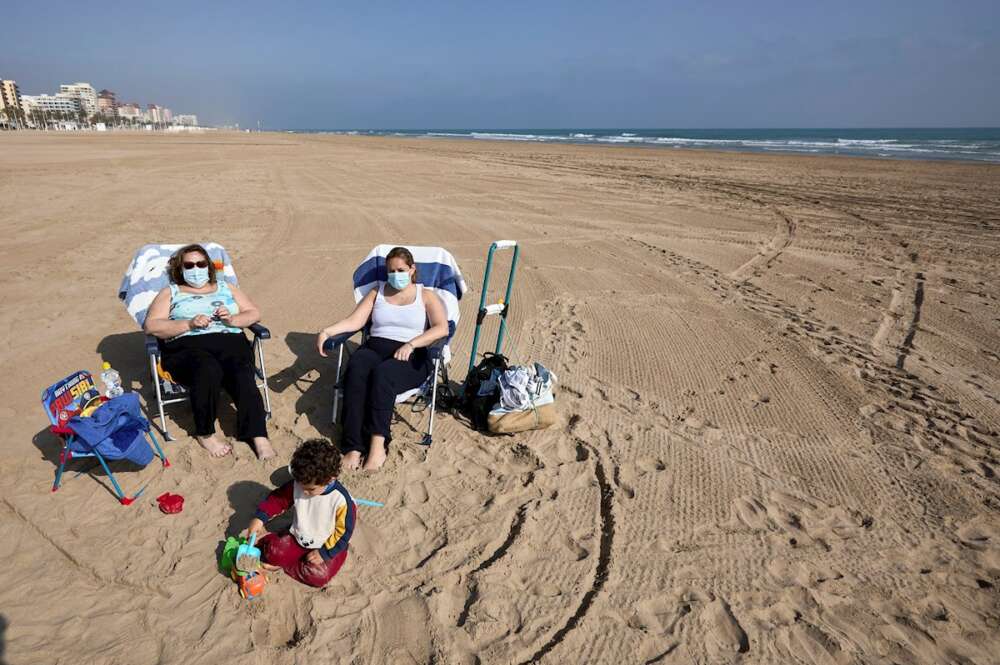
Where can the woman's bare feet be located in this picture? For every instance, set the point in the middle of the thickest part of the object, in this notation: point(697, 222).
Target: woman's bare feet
point(352, 461)
point(269, 568)
point(263, 447)
point(376, 454)
point(214, 446)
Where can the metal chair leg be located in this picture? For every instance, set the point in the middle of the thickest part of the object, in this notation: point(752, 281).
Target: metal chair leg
point(159, 450)
point(62, 466)
point(159, 397)
point(336, 385)
point(429, 437)
point(121, 495)
point(263, 371)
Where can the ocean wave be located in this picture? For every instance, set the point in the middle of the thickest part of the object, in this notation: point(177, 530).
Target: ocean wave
point(909, 147)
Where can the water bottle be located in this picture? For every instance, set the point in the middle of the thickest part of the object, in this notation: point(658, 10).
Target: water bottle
point(112, 382)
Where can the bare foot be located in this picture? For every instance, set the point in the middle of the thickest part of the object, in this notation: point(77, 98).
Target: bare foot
point(269, 568)
point(376, 458)
point(214, 446)
point(352, 461)
point(264, 448)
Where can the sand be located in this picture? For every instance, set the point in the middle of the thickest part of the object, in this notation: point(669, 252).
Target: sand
point(779, 383)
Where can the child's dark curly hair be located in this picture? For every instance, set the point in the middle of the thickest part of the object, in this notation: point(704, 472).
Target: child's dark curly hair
point(315, 462)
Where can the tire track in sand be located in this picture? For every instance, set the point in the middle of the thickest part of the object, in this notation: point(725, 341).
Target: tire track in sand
point(768, 253)
point(607, 519)
point(901, 319)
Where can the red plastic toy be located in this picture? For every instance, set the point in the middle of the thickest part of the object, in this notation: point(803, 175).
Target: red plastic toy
point(170, 503)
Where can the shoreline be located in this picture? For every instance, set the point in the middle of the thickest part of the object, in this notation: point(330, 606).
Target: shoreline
point(840, 148)
point(528, 145)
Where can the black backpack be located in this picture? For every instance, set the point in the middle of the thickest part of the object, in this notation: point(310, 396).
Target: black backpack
point(477, 407)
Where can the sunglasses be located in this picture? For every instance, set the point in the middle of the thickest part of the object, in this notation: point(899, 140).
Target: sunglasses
point(188, 265)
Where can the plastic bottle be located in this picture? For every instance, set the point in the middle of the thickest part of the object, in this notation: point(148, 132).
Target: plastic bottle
point(112, 382)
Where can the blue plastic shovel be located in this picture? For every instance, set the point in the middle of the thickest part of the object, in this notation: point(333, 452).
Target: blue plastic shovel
point(248, 556)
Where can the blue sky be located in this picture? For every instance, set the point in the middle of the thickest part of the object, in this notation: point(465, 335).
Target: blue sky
point(525, 64)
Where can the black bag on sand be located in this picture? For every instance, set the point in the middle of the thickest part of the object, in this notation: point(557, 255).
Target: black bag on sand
point(481, 390)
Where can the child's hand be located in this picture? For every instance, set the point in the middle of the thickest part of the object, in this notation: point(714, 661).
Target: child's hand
point(256, 526)
point(314, 558)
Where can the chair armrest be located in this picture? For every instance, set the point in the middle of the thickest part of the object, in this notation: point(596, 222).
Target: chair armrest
point(435, 350)
point(333, 342)
point(152, 345)
point(259, 331)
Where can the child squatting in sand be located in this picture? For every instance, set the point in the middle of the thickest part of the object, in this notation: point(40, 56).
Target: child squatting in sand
point(315, 547)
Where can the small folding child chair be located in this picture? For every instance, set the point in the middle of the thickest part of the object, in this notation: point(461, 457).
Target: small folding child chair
point(92, 426)
point(146, 276)
point(438, 271)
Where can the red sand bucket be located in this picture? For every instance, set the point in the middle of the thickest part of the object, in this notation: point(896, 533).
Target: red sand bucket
point(170, 503)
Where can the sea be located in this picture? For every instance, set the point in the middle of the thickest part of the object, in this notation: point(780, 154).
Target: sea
point(969, 144)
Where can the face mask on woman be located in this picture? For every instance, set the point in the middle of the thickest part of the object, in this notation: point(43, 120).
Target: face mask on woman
point(399, 280)
point(196, 277)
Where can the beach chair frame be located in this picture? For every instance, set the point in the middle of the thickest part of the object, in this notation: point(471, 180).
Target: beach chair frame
point(438, 373)
point(167, 392)
point(144, 278)
point(449, 284)
point(67, 436)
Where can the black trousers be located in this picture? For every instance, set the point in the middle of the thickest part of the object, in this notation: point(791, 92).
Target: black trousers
point(371, 383)
point(205, 363)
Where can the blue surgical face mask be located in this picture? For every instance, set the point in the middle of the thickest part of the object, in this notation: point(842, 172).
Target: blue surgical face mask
point(196, 277)
point(399, 280)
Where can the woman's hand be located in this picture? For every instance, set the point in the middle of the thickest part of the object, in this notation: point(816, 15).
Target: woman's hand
point(314, 558)
point(320, 340)
point(223, 314)
point(200, 321)
point(404, 352)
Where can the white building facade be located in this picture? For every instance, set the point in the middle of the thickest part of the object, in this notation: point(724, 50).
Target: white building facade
point(83, 92)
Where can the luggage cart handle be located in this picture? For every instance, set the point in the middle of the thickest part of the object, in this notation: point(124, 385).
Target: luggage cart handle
point(501, 308)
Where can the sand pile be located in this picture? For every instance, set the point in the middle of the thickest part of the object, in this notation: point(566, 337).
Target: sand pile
point(779, 392)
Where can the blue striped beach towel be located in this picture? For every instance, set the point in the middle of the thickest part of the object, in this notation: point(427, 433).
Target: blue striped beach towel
point(147, 275)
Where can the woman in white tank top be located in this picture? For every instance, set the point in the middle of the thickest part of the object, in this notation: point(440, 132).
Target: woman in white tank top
point(405, 319)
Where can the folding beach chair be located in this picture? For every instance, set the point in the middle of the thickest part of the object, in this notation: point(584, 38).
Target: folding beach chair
point(436, 270)
point(145, 277)
point(92, 426)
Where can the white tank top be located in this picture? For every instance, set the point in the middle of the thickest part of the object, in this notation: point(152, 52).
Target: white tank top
point(399, 322)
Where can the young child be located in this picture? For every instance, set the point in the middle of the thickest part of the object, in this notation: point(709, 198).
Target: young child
point(315, 547)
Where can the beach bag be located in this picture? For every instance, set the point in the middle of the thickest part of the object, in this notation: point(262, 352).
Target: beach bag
point(512, 422)
point(481, 390)
point(527, 400)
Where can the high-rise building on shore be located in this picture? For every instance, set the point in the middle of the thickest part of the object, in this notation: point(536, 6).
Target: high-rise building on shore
point(130, 111)
point(53, 104)
point(186, 120)
point(106, 103)
point(83, 92)
point(10, 102)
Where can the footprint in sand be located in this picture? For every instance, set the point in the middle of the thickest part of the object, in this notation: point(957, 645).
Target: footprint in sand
point(725, 636)
point(577, 550)
point(415, 494)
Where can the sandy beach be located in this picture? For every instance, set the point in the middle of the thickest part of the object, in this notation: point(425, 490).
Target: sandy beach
point(779, 392)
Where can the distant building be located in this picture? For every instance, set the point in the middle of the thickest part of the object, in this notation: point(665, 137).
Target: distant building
point(84, 92)
point(10, 102)
point(53, 103)
point(106, 103)
point(130, 111)
point(153, 113)
point(166, 115)
point(186, 120)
